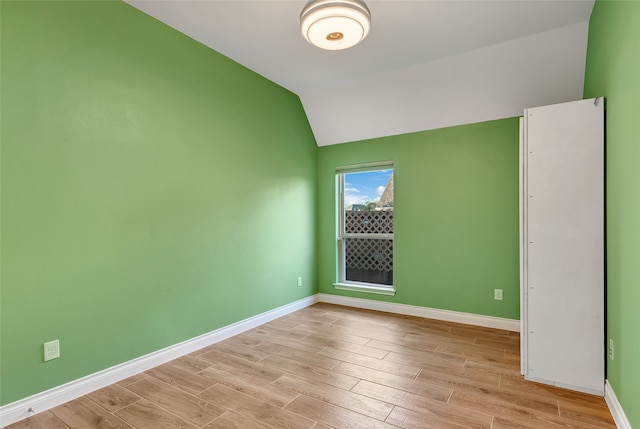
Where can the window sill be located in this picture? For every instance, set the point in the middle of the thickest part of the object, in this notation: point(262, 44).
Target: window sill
point(355, 287)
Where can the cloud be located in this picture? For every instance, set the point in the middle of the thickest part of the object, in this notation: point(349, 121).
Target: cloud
point(348, 188)
point(352, 195)
point(354, 199)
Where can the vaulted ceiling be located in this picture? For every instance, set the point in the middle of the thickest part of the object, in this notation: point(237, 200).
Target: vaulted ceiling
point(425, 64)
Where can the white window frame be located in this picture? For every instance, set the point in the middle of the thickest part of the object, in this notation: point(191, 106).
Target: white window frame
point(342, 283)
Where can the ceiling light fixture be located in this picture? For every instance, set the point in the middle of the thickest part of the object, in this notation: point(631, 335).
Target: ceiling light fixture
point(335, 24)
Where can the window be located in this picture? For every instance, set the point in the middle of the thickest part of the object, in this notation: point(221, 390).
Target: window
point(365, 228)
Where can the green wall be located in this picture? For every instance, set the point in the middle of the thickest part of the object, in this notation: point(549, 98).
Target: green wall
point(152, 191)
point(456, 221)
point(613, 70)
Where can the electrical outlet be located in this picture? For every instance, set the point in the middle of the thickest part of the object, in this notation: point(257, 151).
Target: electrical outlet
point(51, 350)
point(497, 294)
point(611, 349)
point(299, 281)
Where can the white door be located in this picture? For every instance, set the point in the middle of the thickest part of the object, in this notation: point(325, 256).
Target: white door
point(563, 245)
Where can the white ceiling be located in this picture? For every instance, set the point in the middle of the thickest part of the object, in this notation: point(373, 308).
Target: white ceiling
point(425, 64)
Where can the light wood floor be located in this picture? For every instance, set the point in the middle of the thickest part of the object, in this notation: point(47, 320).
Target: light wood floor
point(331, 366)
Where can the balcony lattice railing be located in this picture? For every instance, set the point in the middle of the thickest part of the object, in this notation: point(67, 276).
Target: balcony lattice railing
point(374, 254)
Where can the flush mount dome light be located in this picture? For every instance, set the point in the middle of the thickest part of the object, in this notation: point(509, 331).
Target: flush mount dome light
point(335, 24)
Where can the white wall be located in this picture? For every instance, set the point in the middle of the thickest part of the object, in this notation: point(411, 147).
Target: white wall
point(495, 82)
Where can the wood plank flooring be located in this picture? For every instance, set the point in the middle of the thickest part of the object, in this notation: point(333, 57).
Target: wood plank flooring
point(328, 366)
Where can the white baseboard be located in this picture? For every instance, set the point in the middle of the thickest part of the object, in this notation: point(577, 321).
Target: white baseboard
point(614, 406)
point(39, 402)
point(20, 410)
point(430, 313)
